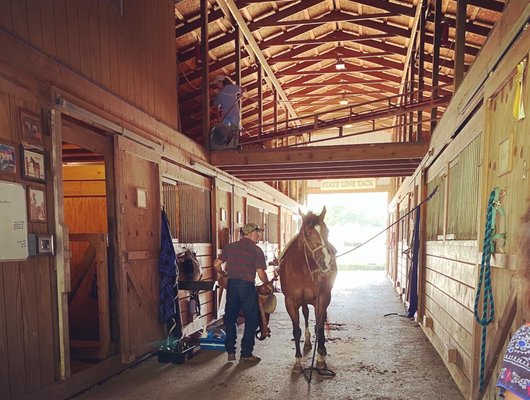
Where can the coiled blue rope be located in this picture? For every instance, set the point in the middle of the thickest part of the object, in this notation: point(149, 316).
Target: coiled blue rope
point(488, 305)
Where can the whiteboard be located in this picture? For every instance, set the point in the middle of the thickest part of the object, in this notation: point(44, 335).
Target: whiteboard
point(13, 222)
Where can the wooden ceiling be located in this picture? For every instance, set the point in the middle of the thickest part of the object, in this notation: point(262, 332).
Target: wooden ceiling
point(293, 47)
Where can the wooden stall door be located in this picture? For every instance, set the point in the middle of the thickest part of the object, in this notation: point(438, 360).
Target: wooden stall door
point(138, 217)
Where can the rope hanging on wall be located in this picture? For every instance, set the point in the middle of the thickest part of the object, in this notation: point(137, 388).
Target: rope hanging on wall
point(488, 248)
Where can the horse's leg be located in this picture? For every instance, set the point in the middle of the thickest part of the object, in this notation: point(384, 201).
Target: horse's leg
point(292, 310)
point(321, 317)
point(307, 334)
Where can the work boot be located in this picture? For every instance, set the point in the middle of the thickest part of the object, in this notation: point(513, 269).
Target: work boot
point(231, 356)
point(252, 359)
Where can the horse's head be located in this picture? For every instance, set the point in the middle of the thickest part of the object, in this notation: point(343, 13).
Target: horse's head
point(314, 237)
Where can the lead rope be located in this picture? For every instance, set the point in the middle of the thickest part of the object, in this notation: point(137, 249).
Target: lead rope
point(434, 191)
point(488, 305)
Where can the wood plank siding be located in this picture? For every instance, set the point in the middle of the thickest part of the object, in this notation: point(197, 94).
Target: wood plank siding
point(478, 145)
point(119, 53)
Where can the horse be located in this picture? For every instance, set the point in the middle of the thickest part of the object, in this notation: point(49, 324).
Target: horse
point(35, 167)
point(307, 272)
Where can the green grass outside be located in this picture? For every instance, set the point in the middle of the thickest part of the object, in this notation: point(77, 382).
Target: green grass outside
point(366, 267)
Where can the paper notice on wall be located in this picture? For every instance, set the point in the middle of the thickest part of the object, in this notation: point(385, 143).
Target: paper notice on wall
point(13, 222)
point(518, 105)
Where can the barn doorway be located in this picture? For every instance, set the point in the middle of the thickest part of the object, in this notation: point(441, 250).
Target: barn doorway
point(352, 219)
point(88, 205)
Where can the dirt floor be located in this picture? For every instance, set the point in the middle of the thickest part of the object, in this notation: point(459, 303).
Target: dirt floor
point(374, 357)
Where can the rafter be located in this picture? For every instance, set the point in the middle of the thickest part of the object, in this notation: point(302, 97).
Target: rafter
point(333, 16)
point(336, 36)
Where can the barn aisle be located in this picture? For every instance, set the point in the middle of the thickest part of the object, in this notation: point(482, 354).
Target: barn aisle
point(374, 357)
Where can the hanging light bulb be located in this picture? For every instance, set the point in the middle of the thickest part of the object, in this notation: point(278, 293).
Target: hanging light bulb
point(340, 65)
point(343, 101)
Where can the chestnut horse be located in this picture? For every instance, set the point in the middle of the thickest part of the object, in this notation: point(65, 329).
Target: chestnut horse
point(307, 272)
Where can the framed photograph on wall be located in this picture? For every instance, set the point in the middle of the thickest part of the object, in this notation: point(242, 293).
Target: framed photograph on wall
point(36, 205)
point(33, 164)
point(8, 159)
point(31, 126)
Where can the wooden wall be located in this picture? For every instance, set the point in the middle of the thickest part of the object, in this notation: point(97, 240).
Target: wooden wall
point(506, 164)
point(131, 55)
point(28, 330)
point(478, 145)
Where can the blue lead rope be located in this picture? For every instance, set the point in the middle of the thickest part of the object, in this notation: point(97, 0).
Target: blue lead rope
point(488, 305)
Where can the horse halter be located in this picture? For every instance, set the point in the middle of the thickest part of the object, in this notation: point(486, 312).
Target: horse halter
point(313, 250)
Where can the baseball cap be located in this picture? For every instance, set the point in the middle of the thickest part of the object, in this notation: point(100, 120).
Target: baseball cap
point(249, 228)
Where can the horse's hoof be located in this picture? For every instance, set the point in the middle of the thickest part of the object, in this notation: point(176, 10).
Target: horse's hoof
point(321, 365)
point(297, 368)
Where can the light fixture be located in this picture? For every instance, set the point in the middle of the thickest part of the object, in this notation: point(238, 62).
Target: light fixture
point(343, 100)
point(340, 65)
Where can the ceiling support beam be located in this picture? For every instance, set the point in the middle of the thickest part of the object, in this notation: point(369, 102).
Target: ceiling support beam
point(460, 41)
point(230, 8)
point(205, 107)
point(421, 66)
point(319, 154)
point(334, 16)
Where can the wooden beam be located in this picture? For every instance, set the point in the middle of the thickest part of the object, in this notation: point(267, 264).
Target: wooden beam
point(285, 12)
point(205, 84)
point(237, 55)
point(488, 4)
point(387, 6)
point(331, 55)
point(380, 151)
point(460, 41)
point(330, 38)
point(188, 27)
point(334, 16)
point(436, 55)
point(229, 7)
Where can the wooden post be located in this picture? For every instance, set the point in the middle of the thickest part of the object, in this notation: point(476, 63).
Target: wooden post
point(422, 256)
point(260, 100)
point(411, 96)
point(237, 49)
point(460, 41)
point(275, 110)
point(205, 75)
point(436, 58)
point(421, 66)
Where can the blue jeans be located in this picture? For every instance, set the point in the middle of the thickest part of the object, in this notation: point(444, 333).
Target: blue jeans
point(241, 295)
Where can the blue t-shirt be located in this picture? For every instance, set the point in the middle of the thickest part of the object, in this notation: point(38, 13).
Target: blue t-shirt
point(515, 371)
point(228, 99)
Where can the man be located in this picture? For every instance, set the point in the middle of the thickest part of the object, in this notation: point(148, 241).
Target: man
point(229, 113)
point(243, 259)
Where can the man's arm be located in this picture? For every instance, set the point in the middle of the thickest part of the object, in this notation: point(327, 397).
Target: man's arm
point(217, 264)
point(263, 275)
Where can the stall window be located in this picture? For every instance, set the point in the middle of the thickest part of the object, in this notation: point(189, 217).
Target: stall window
point(189, 212)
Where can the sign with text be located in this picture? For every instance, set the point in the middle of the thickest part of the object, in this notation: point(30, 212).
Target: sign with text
point(330, 185)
